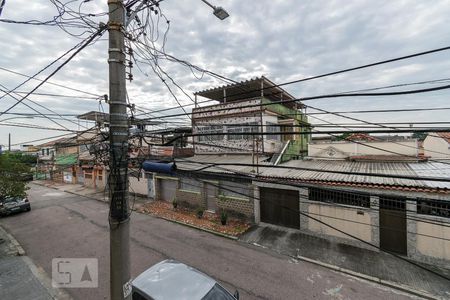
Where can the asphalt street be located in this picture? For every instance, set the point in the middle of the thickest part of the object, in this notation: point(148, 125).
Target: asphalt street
point(64, 225)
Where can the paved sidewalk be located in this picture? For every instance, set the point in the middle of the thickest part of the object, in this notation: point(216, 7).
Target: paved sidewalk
point(19, 277)
point(376, 266)
point(81, 190)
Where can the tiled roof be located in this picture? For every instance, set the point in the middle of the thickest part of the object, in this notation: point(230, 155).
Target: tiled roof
point(444, 135)
point(360, 137)
point(85, 156)
point(63, 140)
point(321, 171)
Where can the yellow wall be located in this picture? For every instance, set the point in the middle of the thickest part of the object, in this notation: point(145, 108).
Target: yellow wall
point(341, 218)
point(434, 247)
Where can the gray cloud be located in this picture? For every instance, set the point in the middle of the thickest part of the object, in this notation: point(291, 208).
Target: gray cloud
point(284, 40)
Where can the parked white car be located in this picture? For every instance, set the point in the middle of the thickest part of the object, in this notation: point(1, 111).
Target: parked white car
point(170, 279)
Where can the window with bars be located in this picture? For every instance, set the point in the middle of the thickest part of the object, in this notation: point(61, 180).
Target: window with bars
point(393, 203)
point(433, 207)
point(210, 129)
point(235, 129)
point(244, 129)
point(252, 127)
point(339, 197)
point(273, 128)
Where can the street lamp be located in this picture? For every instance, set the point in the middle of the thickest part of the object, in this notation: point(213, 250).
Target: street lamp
point(218, 11)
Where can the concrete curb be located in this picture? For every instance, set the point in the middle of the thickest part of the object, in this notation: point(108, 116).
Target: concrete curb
point(391, 284)
point(46, 282)
point(19, 250)
point(167, 219)
point(39, 273)
point(378, 280)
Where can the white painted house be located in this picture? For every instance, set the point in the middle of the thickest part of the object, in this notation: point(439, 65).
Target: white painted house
point(437, 145)
point(365, 147)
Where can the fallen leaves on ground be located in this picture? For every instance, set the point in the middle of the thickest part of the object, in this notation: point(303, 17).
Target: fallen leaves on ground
point(211, 221)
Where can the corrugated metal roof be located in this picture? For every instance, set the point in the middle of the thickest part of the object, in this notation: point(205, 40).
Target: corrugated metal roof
point(433, 169)
point(386, 168)
point(66, 159)
point(201, 161)
point(444, 135)
point(417, 169)
point(245, 90)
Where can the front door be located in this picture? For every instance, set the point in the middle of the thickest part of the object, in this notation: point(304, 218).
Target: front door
point(393, 225)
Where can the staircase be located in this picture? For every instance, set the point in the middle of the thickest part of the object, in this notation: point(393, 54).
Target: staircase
point(291, 150)
point(277, 157)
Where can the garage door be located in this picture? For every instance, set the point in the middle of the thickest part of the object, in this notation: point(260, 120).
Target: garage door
point(280, 207)
point(167, 189)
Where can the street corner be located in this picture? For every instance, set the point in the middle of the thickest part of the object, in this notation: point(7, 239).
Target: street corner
point(9, 245)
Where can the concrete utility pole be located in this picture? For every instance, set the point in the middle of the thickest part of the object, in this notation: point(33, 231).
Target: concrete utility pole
point(9, 142)
point(119, 221)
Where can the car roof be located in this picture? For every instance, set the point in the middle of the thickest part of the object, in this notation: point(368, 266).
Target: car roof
point(171, 279)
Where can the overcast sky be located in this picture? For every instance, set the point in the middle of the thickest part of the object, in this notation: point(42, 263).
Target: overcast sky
point(280, 39)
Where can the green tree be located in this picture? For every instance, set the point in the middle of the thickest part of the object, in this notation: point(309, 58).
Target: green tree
point(343, 136)
point(419, 135)
point(12, 174)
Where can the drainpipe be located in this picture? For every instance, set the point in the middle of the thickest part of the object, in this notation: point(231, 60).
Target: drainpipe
point(261, 117)
point(253, 154)
point(257, 158)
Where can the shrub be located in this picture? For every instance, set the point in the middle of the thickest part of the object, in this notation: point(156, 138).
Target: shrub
point(175, 202)
point(199, 212)
point(223, 217)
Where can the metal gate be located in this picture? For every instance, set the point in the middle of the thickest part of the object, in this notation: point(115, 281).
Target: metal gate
point(211, 192)
point(280, 207)
point(393, 225)
point(167, 189)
